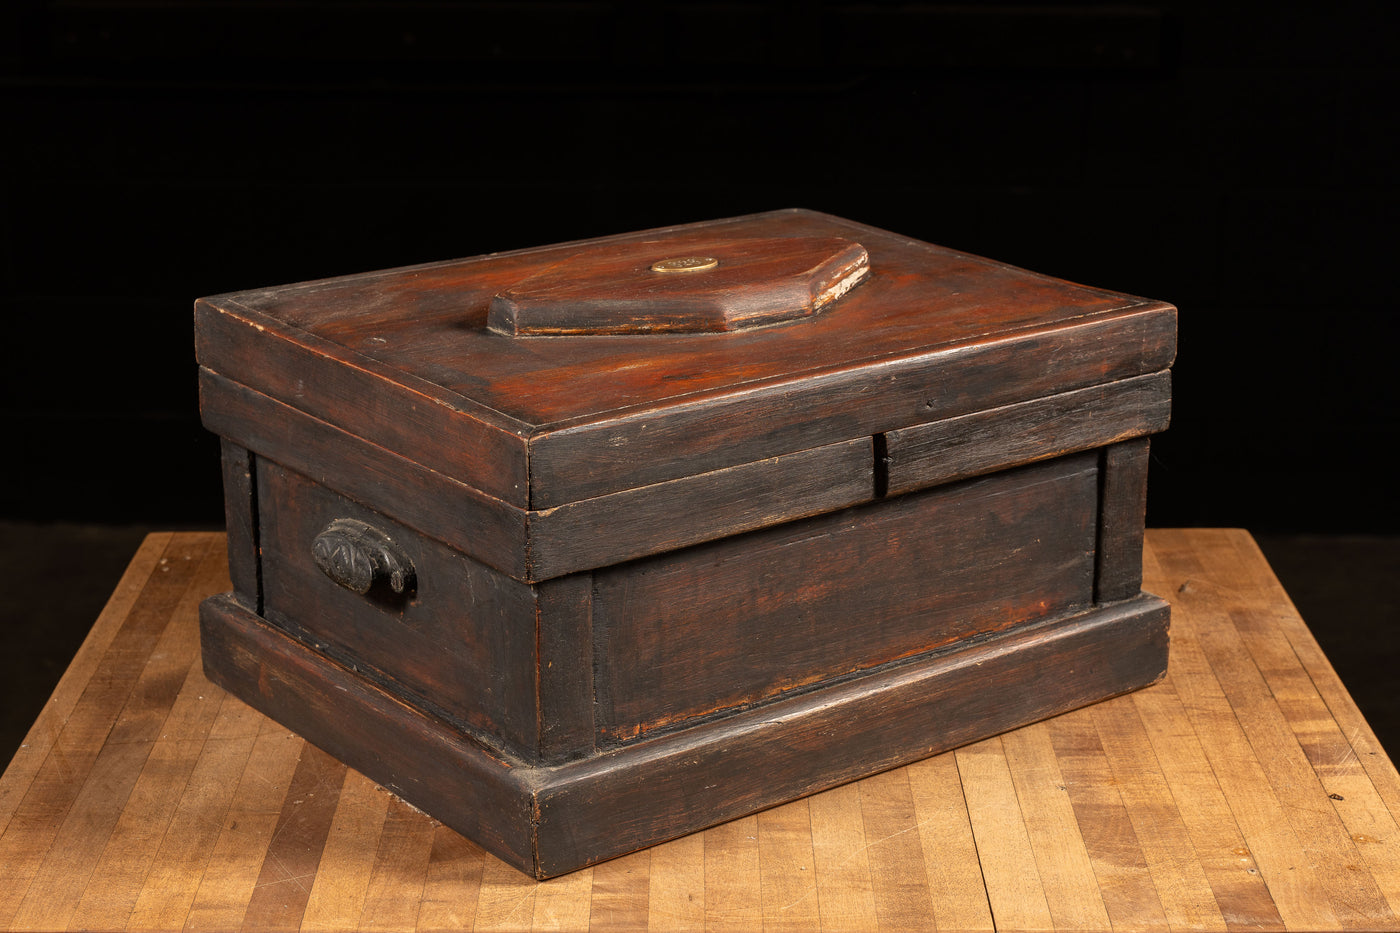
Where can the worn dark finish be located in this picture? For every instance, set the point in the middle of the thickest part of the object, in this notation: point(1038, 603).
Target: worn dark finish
point(623, 565)
point(241, 522)
point(681, 285)
point(637, 522)
point(469, 520)
point(486, 796)
point(1122, 507)
point(697, 777)
point(578, 536)
point(437, 427)
point(882, 394)
point(1047, 427)
point(404, 360)
point(463, 646)
point(564, 630)
point(949, 564)
point(553, 819)
point(363, 559)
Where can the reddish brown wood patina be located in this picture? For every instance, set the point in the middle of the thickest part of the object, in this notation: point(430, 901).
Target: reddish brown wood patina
point(681, 523)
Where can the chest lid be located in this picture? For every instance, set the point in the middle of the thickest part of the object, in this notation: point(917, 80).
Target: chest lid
point(547, 376)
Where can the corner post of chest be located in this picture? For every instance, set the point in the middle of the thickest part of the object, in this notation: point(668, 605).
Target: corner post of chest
point(241, 519)
point(1122, 516)
point(564, 667)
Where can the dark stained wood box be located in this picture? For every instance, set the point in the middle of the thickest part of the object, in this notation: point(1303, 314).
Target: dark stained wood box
point(586, 547)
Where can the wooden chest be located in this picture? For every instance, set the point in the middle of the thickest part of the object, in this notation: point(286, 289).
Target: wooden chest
point(586, 547)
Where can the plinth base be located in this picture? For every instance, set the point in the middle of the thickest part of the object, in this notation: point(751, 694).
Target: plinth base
point(549, 819)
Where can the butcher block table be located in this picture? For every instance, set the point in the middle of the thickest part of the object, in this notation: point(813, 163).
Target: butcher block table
point(1245, 791)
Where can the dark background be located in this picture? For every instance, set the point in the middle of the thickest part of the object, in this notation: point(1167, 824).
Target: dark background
point(1234, 158)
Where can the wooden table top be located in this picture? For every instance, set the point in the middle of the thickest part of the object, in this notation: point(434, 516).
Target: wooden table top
point(1245, 791)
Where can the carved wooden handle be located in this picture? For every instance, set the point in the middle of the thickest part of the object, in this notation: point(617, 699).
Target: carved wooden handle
point(696, 283)
point(361, 558)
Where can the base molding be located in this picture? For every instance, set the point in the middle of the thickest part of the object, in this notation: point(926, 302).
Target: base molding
point(547, 820)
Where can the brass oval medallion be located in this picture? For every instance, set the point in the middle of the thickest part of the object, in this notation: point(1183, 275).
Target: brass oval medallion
point(685, 264)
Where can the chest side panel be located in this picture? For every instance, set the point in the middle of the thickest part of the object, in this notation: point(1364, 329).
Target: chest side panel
point(459, 643)
point(742, 620)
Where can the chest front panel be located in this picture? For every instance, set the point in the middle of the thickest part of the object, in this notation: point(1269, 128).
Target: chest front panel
point(743, 620)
